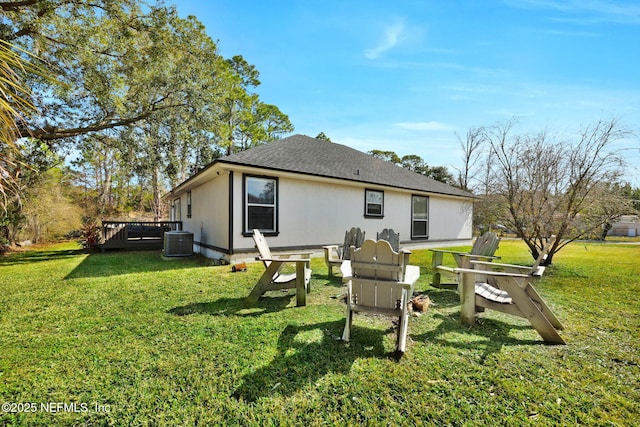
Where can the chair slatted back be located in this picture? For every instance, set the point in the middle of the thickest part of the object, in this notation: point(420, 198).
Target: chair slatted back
point(377, 271)
point(536, 269)
point(353, 237)
point(390, 236)
point(262, 246)
point(486, 245)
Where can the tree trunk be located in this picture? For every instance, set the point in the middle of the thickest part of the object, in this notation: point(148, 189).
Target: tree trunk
point(156, 194)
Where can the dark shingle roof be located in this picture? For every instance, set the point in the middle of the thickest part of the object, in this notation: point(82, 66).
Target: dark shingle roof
point(310, 156)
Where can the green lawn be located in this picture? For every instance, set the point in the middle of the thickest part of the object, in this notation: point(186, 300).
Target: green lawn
point(130, 339)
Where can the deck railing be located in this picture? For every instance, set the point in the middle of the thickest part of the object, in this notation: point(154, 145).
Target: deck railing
point(136, 234)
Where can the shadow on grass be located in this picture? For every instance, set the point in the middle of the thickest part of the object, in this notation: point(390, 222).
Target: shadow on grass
point(496, 335)
point(129, 262)
point(305, 354)
point(335, 281)
point(234, 306)
point(443, 297)
point(28, 257)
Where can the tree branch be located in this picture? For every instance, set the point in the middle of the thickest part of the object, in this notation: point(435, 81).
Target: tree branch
point(51, 133)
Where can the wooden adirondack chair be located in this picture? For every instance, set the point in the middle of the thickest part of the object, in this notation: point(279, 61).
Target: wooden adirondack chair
point(483, 249)
point(509, 291)
point(379, 280)
point(390, 236)
point(334, 254)
point(272, 279)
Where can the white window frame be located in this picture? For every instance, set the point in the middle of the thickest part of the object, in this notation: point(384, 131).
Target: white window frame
point(248, 228)
point(414, 219)
point(373, 198)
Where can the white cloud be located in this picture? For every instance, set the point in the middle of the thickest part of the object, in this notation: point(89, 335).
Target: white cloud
point(586, 12)
point(393, 35)
point(430, 126)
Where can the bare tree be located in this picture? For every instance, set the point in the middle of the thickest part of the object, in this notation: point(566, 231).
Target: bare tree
point(472, 148)
point(559, 187)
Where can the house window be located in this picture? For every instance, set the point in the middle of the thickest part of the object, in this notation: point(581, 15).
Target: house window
point(177, 214)
point(373, 203)
point(260, 204)
point(419, 217)
point(188, 204)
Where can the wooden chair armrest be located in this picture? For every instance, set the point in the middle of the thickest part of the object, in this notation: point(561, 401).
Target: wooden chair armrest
point(539, 271)
point(285, 255)
point(331, 253)
point(445, 251)
point(523, 268)
point(283, 259)
point(467, 255)
point(511, 269)
point(489, 273)
point(444, 268)
point(411, 274)
point(497, 264)
point(345, 270)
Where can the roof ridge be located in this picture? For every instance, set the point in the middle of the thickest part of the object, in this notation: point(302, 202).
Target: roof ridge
point(317, 157)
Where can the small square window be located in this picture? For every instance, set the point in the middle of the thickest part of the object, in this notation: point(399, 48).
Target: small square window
point(373, 203)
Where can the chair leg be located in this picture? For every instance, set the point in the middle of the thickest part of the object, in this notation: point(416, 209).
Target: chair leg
point(307, 277)
point(542, 305)
point(402, 332)
point(530, 310)
point(346, 334)
point(544, 327)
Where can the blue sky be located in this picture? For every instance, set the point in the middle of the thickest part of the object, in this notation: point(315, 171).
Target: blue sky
point(408, 76)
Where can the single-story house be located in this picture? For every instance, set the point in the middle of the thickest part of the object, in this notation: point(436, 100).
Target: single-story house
point(626, 225)
point(303, 193)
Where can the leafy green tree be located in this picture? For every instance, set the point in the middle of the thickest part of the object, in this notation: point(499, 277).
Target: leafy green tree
point(440, 173)
point(89, 47)
point(245, 121)
point(387, 156)
point(40, 159)
point(415, 164)
point(103, 176)
point(49, 209)
point(323, 137)
point(125, 70)
point(15, 106)
point(633, 194)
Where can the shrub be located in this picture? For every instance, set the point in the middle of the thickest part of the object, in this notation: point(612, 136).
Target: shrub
point(90, 236)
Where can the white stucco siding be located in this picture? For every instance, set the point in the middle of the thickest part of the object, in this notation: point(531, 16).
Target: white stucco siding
point(209, 215)
point(318, 213)
point(450, 218)
point(315, 212)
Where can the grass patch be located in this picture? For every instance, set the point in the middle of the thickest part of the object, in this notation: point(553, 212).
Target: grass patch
point(137, 340)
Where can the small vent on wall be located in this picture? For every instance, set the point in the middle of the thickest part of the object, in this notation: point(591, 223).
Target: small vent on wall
point(178, 243)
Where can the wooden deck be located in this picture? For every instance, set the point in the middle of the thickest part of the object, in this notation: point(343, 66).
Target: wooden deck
point(136, 235)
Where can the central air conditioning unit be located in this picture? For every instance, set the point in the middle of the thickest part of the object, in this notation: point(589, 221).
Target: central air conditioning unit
point(178, 243)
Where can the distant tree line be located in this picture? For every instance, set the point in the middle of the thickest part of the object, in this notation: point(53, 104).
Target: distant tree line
point(416, 164)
